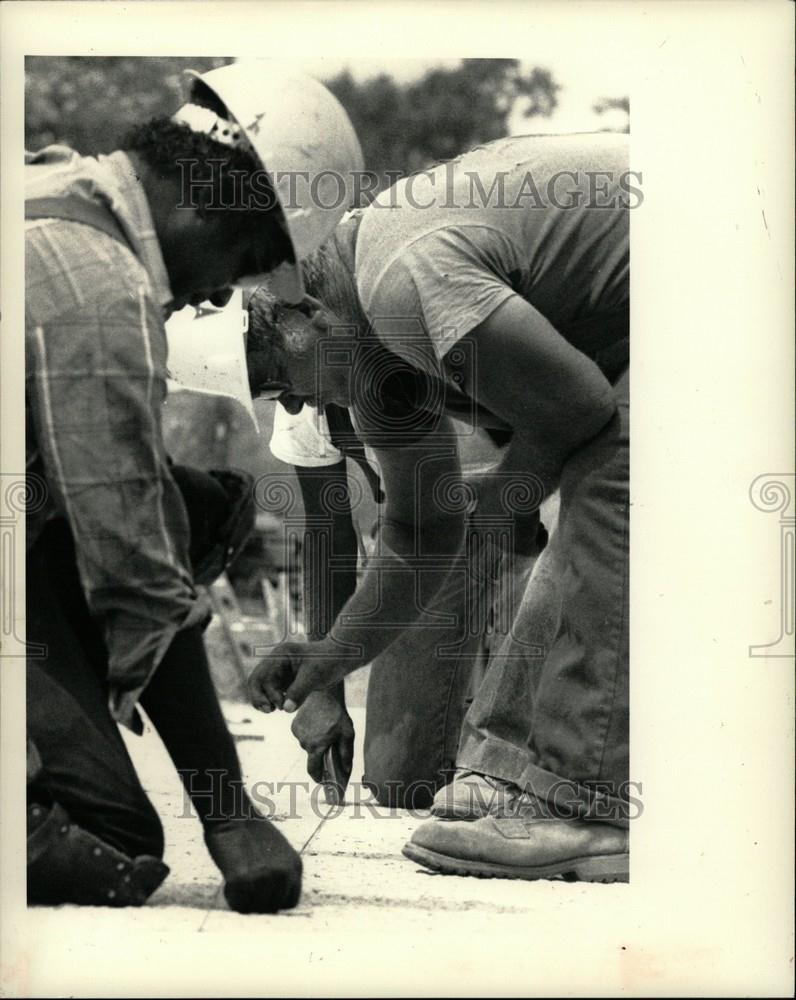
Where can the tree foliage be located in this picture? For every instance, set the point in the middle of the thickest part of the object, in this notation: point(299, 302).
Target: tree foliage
point(606, 105)
point(89, 103)
point(404, 127)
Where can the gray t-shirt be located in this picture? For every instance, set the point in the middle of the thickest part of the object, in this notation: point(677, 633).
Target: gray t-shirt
point(543, 217)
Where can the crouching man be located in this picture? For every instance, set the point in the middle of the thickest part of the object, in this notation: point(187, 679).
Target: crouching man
point(519, 302)
point(416, 700)
point(114, 244)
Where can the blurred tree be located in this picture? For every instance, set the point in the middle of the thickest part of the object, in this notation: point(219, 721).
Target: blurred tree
point(406, 127)
point(607, 105)
point(90, 102)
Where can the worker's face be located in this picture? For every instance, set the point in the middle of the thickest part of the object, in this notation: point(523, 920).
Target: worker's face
point(318, 366)
point(206, 257)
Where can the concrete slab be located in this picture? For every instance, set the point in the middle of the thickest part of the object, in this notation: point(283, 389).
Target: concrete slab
point(361, 897)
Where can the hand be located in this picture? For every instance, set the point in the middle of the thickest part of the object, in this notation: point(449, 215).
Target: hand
point(285, 677)
point(321, 722)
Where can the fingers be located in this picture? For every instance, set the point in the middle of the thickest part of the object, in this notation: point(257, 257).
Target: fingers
point(302, 685)
point(268, 682)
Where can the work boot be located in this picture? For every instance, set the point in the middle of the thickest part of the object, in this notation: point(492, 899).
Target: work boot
point(67, 864)
point(471, 795)
point(523, 848)
point(262, 872)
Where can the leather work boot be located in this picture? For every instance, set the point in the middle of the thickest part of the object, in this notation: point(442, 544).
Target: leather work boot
point(523, 848)
point(67, 864)
point(471, 795)
point(262, 872)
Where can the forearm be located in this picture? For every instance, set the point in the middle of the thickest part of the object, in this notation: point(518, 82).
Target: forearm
point(330, 579)
point(544, 451)
point(329, 576)
point(395, 591)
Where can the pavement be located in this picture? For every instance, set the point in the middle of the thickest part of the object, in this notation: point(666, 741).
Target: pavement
point(368, 919)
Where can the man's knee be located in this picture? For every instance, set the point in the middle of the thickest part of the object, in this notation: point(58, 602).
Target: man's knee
point(399, 780)
point(148, 837)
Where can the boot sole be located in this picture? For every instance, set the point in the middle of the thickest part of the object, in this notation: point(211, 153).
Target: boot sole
point(606, 868)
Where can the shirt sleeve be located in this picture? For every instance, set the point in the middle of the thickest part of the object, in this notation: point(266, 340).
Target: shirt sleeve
point(98, 383)
point(455, 277)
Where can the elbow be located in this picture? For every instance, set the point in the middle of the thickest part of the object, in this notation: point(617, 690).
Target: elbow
point(593, 415)
point(602, 412)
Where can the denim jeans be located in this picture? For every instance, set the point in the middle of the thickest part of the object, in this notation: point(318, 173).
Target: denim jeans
point(551, 714)
point(420, 688)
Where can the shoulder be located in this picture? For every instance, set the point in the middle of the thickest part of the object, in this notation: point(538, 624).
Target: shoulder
point(70, 267)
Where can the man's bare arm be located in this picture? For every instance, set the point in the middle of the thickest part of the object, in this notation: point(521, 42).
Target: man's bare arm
point(552, 395)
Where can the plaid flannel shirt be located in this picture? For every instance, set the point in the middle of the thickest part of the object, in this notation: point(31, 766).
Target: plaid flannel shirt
point(95, 383)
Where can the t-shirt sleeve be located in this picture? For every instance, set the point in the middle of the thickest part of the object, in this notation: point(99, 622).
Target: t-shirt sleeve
point(303, 438)
point(456, 277)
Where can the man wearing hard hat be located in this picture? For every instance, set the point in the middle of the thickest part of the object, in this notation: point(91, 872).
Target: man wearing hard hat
point(235, 185)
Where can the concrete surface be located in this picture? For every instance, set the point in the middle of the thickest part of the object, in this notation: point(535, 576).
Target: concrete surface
point(361, 899)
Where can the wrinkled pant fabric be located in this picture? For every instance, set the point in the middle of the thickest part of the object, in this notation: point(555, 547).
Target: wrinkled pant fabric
point(420, 688)
point(551, 713)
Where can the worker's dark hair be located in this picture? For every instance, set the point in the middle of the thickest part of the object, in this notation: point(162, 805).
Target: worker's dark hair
point(222, 180)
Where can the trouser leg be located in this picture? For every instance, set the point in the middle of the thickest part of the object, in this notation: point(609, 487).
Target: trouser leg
point(180, 699)
point(91, 775)
point(420, 687)
point(84, 763)
point(552, 713)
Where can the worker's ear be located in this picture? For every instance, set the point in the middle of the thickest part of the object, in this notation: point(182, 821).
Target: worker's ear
point(309, 305)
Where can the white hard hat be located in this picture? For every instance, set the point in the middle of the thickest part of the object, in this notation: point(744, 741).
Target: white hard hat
point(305, 142)
point(207, 352)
